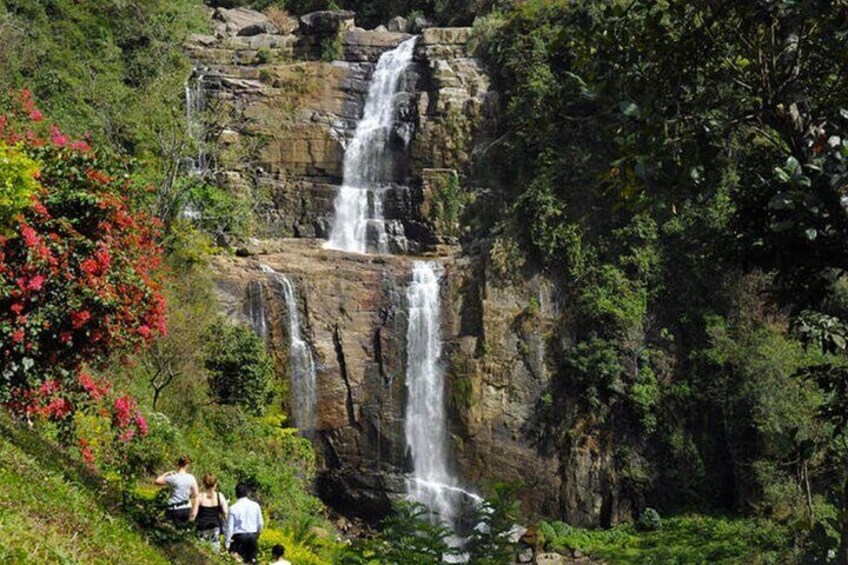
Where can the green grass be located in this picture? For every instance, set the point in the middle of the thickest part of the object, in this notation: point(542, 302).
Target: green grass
point(689, 539)
point(54, 510)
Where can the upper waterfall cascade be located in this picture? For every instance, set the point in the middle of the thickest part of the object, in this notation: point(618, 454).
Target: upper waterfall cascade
point(358, 221)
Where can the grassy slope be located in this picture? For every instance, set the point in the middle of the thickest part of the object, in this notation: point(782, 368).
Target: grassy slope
point(52, 510)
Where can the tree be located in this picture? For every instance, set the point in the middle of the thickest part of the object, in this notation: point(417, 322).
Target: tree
point(77, 274)
point(411, 536)
point(489, 542)
point(239, 368)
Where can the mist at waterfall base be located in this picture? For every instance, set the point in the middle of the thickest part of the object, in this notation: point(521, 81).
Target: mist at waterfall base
point(431, 482)
point(358, 221)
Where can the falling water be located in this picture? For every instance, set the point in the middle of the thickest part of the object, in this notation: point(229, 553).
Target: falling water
point(256, 309)
point(426, 432)
point(303, 378)
point(358, 223)
point(195, 100)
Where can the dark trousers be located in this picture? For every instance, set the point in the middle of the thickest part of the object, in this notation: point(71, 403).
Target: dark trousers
point(246, 545)
point(178, 515)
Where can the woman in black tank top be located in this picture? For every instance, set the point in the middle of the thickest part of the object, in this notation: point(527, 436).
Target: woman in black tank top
point(210, 512)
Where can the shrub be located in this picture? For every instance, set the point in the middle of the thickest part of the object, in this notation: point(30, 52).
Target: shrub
point(17, 184)
point(263, 56)
point(281, 19)
point(77, 276)
point(649, 521)
point(239, 369)
point(331, 48)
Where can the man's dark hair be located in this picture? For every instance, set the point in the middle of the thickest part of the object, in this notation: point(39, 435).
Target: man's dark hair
point(278, 551)
point(242, 490)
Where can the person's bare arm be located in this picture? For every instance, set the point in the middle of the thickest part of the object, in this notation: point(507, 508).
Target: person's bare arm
point(194, 494)
point(162, 479)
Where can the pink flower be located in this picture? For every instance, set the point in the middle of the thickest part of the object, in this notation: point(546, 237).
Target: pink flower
point(124, 407)
point(36, 282)
point(30, 237)
point(144, 331)
point(58, 138)
point(35, 115)
point(127, 434)
point(81, 146)
point(141, 424)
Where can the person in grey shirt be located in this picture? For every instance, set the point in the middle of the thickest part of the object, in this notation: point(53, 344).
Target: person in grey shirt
point(244, 524)
point(184, 491)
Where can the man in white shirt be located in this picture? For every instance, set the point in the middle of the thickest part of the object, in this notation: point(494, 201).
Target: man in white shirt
point(244, 524)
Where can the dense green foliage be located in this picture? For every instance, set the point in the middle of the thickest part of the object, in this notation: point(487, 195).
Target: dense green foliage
point(239, 369)
point(683, 540)
point(680, 168)
point(112, 69)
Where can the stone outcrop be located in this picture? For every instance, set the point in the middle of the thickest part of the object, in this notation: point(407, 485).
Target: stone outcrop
point(244, 22)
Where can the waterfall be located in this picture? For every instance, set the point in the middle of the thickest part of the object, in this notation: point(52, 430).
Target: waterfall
point(358, 223)
point(304, 389)
point(426, 431)
point(195, 101)
point(256, 309)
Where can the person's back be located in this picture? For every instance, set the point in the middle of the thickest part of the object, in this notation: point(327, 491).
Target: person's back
point(244, 524)
point(183, 491)
point(209, 512)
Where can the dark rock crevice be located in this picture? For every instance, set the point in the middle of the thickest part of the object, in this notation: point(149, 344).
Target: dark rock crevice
point(340, 357)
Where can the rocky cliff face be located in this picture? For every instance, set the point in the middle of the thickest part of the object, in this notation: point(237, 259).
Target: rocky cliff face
point(281, 109)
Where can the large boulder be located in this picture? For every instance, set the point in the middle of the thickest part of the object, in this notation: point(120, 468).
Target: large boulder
point(326, 22)
point(244, 21)
point(397, 24)
point(421, 23)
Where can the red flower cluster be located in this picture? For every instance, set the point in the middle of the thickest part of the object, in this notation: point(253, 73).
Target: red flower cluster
point(77, 277)
point(127, 420)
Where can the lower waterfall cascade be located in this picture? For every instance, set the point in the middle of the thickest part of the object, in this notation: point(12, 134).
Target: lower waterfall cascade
point(304, 390)
point(431, 482)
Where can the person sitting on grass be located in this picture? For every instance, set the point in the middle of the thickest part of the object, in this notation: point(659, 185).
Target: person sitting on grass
point(183, 494)
point(278, 554)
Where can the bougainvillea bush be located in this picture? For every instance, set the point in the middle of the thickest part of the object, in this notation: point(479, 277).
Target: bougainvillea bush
point(77, 265)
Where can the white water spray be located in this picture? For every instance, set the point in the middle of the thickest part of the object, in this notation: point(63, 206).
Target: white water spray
point(426, 430)
point(358, 223)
